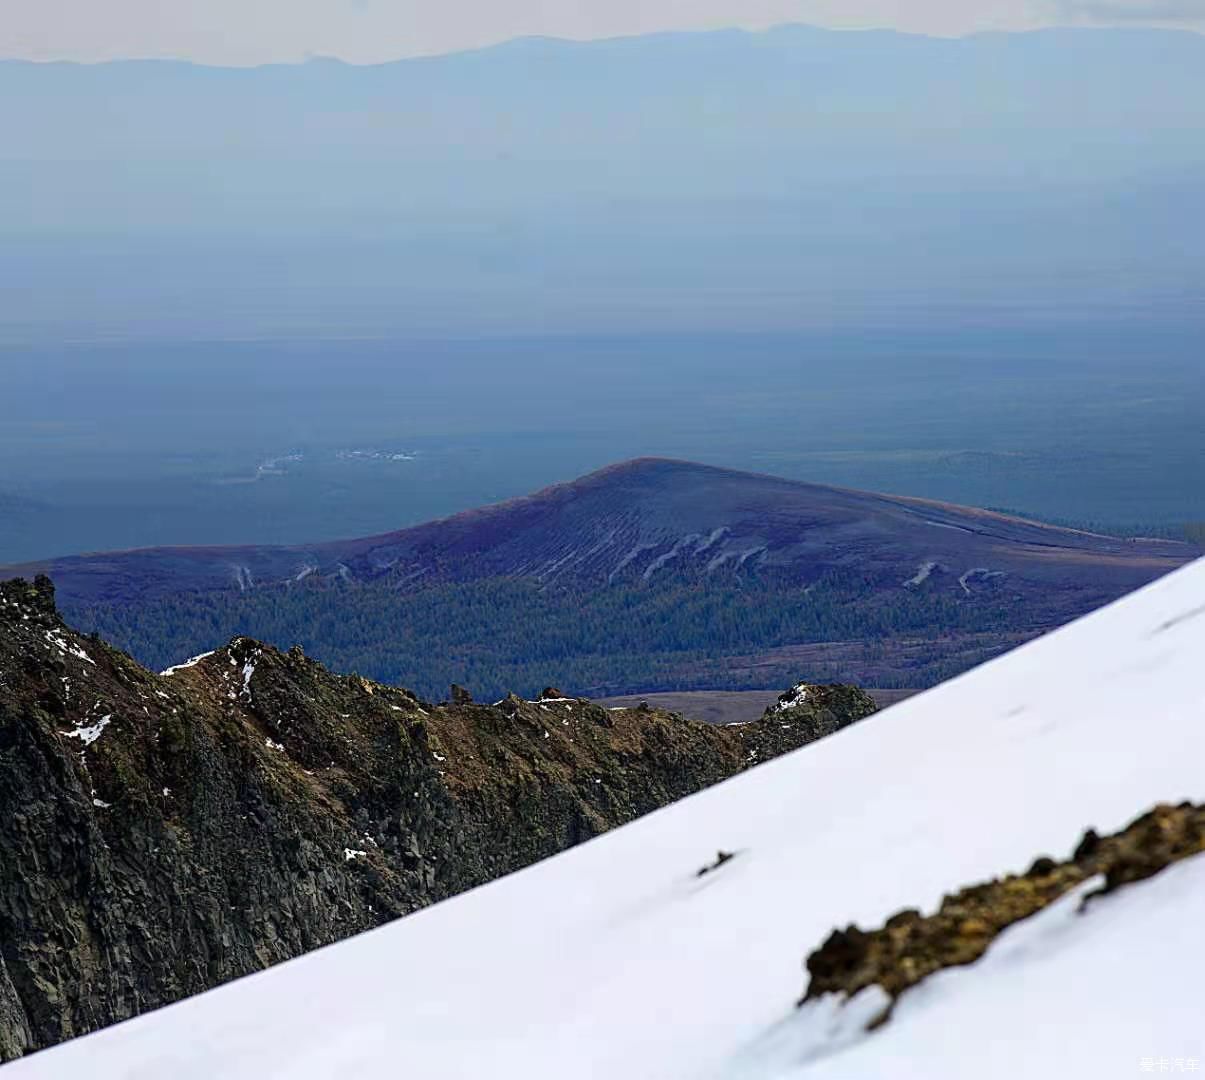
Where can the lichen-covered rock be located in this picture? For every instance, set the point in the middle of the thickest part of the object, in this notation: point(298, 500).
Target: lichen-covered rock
point(910, 946)
point(160, 834)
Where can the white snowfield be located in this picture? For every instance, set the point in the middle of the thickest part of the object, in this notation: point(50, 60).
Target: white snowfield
point(614, 961)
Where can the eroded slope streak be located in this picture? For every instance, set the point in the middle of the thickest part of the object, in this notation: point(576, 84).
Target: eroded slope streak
point(910, 946)
point(160, 834)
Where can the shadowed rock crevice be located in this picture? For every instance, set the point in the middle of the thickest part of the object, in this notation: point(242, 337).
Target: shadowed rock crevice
point(910, 946)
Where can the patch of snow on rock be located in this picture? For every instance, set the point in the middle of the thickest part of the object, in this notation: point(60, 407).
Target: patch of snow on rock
point(68, 647)
point(89, 733)
point(192, 662)
point(248, 672)
point(793, 698)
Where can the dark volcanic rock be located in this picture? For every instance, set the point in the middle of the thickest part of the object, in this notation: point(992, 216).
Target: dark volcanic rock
point(160, 834)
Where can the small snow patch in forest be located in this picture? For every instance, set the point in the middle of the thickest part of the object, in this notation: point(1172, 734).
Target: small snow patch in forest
point(350, 854)
point(923, 574)
point(101, 804)
point(978, 572)
point(273, 745)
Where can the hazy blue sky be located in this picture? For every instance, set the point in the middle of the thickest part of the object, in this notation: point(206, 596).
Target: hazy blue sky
point(793, 178)
point(363, 31)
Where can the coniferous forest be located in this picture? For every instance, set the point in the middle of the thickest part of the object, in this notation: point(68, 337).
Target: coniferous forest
point(504, 634)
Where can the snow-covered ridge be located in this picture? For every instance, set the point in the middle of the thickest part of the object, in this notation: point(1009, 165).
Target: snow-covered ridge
point(616, 960)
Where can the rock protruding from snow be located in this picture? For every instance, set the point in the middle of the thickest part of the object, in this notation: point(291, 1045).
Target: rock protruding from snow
point(911, 947)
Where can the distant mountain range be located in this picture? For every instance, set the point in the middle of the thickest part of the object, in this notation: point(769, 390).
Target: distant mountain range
point(740, 179)
point(651, 574)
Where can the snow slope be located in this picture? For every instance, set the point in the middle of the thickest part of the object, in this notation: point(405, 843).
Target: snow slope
point(615, 961)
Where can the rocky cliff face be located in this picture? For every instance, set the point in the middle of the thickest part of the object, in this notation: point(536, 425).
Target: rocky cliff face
point(160, 834)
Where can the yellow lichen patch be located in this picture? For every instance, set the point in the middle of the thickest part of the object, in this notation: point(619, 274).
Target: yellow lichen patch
point(911, 946)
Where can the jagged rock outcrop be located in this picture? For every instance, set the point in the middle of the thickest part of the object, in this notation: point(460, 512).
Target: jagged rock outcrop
point(160, 834)
point(910, 947)
point(819, 711)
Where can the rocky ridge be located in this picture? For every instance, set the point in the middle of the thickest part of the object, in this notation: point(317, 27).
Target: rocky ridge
point(161, 834)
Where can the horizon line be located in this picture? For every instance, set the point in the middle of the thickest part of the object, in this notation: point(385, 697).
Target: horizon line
point(560, 40)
